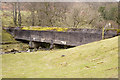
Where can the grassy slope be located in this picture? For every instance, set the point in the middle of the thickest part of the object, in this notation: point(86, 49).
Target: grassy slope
point(94, 60)
point(6, 37)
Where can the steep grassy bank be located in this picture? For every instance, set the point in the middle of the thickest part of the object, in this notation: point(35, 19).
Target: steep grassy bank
point(94, 60)
point(7, 38)
point(12, 43)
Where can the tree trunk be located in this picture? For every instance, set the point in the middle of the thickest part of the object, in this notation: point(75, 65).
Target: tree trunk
point(19, 15)
point(33, 21)
point(15, 14)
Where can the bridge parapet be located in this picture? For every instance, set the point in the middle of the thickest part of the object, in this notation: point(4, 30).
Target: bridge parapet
point(71, 38)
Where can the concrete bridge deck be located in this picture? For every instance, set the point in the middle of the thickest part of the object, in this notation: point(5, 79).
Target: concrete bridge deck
point(71, 38)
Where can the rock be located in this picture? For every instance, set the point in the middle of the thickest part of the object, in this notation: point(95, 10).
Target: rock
point(87, 66)
point(13, 50)
point(19, 51)
point(64, 63)
point(63, 56)
point(28, 50)
point(100, 62)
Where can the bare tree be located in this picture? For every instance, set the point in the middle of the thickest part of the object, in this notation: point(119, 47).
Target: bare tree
point(15, 13)
point(19, 15)
point(33, 13)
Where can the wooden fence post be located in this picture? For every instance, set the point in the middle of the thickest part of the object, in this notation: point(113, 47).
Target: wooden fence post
point(103, 30)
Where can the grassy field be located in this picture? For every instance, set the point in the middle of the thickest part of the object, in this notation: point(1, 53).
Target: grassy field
point(94, 60)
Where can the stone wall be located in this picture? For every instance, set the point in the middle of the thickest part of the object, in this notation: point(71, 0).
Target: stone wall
point(72, 38)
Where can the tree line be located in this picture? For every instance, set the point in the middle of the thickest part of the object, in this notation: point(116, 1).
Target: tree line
point(62, 14)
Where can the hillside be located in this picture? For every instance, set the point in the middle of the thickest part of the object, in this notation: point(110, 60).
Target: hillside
point(75, 15)
point(7, 38)
point(10, 43)
point(94, 60)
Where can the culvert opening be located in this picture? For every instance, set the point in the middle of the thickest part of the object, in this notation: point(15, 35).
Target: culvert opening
point(59, 46)
point(44, 45)
point(23, 41)
point(48, 46)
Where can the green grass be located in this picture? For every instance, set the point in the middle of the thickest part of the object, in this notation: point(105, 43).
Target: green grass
point(6, 37)
point(0, 67)
point(7, 18)
point(17, 46)
point(94, 60)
